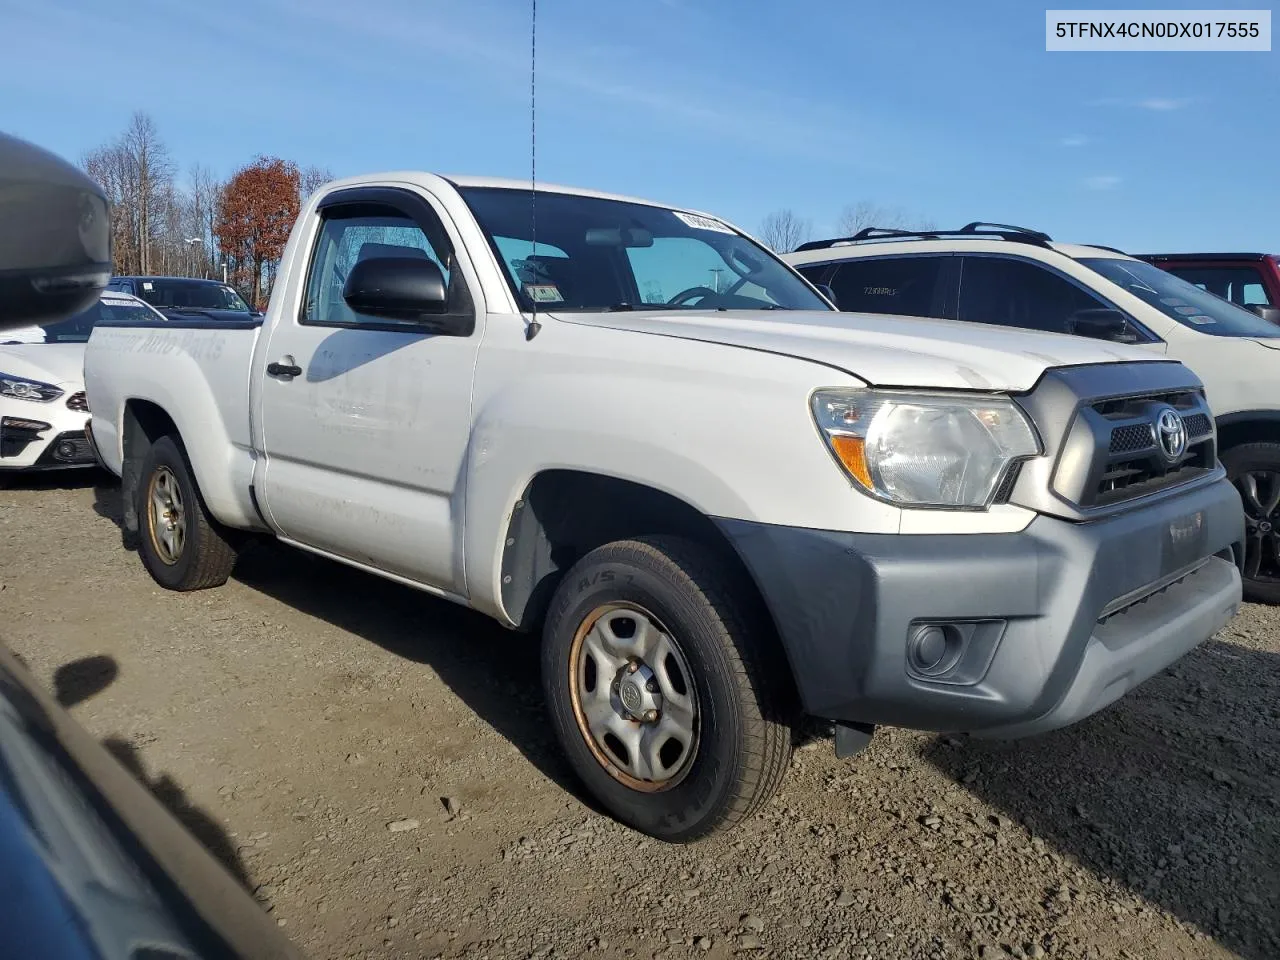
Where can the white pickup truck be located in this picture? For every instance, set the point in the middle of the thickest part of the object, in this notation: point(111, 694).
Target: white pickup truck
point(724, 505)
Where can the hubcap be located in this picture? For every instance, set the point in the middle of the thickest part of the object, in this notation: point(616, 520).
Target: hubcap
point(633, 697)
point(1260, 492)
point(166, 518)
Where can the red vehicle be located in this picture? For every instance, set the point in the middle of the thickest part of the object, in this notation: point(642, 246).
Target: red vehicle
point(1249, 280)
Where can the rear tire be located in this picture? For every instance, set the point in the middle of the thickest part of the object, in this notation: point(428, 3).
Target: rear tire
point(710, 741)
point(182, 547)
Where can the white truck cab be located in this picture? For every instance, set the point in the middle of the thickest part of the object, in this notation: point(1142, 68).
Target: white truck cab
point(1000, 274)
point(633, 431)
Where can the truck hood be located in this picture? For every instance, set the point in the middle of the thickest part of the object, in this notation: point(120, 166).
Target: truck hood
point(887, 351)
point(57, 363)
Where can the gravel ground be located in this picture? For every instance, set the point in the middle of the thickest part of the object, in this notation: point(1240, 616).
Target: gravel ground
point(374, 764)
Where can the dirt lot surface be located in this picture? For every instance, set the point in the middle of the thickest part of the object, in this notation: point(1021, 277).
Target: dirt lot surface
point(375, 765)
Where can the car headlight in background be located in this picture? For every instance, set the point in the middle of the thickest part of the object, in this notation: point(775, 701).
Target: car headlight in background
point(925, 450)
point(20, 388)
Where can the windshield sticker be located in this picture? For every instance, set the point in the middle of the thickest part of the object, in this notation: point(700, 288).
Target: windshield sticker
point(1201, 320)
point(1187, 311)
point(543, 293)
point(1173, 301)
point(701, 223)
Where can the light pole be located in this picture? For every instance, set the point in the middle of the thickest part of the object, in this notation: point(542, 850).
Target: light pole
point(190, 242)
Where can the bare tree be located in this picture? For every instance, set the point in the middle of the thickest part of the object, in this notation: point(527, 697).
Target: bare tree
point(864, 213)
point(783, 231)
point(312, 179)
point(206, 189)
point(152, 172)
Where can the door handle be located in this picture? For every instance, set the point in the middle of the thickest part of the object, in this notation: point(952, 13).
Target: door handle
point(283, 370)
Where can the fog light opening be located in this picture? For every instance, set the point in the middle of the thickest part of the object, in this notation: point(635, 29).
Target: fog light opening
point(934, 648)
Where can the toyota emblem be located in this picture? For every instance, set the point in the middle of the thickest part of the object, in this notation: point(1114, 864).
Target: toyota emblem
point(1172, 433)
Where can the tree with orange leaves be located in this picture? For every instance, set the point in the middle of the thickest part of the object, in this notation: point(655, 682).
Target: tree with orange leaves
point(256, 211)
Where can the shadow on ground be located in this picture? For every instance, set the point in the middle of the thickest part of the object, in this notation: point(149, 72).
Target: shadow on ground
point(73, 479)
point(78, 681)
point(496, 672)
point(107, 504)
point(1174, 792)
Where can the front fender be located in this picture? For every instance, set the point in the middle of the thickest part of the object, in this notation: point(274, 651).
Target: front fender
point(730, 439)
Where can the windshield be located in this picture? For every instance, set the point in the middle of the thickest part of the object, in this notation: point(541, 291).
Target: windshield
point(596, 254)
point(77, 329)
point(1182, 301)
point(190, 294)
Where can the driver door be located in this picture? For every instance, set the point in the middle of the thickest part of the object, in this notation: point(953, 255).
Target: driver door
point(365, 421)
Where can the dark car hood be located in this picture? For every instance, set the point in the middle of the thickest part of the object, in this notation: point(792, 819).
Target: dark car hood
point(203, 313)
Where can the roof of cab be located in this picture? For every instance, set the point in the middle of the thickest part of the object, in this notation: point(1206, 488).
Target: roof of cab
point(426, 179)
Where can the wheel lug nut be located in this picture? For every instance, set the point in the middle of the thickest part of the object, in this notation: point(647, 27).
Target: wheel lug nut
point(652, 686)
point(633, 666)
point(649, 716)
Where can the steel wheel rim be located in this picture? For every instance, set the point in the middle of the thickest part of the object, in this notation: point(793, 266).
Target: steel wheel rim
point(634, 697)
point(1260, 493)
point(166, 516)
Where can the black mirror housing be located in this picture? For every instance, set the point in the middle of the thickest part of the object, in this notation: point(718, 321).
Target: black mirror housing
point(827, 292)
point(1267, 313)
point(1103, 324)
point(55, 236)
point(408, 289)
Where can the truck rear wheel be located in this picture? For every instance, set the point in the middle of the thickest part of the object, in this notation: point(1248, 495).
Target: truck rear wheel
point(1255, 470)
point(181, 546)
point(666, 690)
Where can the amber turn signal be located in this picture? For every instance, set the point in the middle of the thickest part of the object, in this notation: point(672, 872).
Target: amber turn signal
point(852, 453)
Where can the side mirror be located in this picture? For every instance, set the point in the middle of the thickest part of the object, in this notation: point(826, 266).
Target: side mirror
point(1103, 324)
point(55, 236)
point(827, 292)
point(1269, 314)
point(411, 289)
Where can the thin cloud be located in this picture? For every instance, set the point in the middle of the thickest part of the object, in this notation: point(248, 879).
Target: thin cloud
point(1166, 103)
point(1105, 181)
point(1156, 104)
point(1076, 141)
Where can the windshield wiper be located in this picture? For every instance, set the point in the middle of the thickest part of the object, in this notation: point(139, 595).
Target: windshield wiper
point(628, 307)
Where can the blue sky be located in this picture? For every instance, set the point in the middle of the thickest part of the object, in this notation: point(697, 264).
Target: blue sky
point(950, 111)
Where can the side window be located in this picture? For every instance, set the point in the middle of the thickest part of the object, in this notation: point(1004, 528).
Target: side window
point(349, 235)
point(1255, 295)
point(1015, 293)
point(906, 286)
point(815, 274)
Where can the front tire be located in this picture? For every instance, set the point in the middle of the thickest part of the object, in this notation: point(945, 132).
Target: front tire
point(666, 687)
point(1254, 468)
point(182, 547)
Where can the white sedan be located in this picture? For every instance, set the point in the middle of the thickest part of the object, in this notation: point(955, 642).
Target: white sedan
point(42, 404)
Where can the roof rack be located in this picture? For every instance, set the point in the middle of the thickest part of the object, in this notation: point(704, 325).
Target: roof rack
point(977, 230)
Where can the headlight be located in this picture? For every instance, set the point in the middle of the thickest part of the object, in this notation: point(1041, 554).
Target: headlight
point(20, 388)
point(925, 450)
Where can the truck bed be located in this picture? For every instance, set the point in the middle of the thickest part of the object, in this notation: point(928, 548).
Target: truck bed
point(196, 371)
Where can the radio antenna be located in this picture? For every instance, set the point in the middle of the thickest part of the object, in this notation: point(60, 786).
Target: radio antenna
point(532, 328)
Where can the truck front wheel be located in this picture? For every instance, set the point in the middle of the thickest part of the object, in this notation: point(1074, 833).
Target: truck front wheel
point(180, 544)
point(666, 687)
